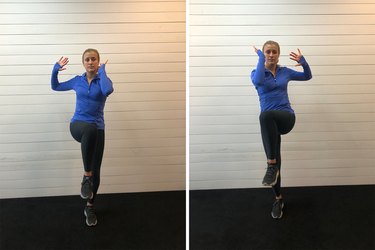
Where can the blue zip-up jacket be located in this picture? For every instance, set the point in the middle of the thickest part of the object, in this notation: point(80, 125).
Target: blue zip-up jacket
point(273, 91)
point(90, 99)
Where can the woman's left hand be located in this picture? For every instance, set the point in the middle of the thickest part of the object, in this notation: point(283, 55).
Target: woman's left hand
point(296, 57)
point(102, 65)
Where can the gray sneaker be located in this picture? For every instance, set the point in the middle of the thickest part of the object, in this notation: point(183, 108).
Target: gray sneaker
point(277, 209)
point(90, 216)
point(272, 173)
point(86, 188)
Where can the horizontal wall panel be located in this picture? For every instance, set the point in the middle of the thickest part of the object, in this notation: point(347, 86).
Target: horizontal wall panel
point(131, 77)
point(73, 49)
point(283, 9)
point(79, 7)
point(110, 28)
point(88, 39)
point(298, 89)
point(244, 80)
point(246, 60)
point(111, 107)
point(310, 51)
point(88, 1)
point(316, 127)
point(350, 172)
point(299, 41)
point(129, 135)
point(257, 166)
point(303, 117)
point(321, 99)
point(63, 98)
point(259, 19)
point(40, 146)
point(82, 18)
point(318, 70)
point(229, 148)
point(306, 30)
point(295, 137)
point(59, 182)
point(284, 2)
point(115, 58)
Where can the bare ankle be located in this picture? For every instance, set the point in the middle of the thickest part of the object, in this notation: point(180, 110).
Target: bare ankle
point(271, 162)
point(87, 173)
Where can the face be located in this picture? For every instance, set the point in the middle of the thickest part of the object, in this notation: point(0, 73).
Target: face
point(271, 53)
point(91, 62)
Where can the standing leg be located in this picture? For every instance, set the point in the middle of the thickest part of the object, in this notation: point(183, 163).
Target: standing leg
point(97, 162)
point(277, 187)
point(277, 208)
point(285, 122)
point(89, 211)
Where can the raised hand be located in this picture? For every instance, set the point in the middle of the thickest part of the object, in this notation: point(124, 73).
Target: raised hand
point(62, 62)
point(296, 57)
point(102, 67)
point(103, 63)
point(255, 49)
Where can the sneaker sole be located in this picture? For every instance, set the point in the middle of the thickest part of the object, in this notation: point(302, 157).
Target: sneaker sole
point(87, 198)
point(272, 183)
point(281, 215)
point(87, 222)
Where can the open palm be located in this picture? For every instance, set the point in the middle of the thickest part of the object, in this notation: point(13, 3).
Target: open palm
point(63, 62)
point(296, 56)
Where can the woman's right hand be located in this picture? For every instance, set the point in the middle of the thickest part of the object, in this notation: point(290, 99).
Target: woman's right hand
point(62, 62)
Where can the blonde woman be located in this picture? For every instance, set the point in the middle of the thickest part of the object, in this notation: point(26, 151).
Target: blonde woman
point(277, 116)
point(87, 124)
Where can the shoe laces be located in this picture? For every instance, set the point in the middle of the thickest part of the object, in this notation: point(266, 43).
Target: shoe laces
point(278, 202)
point(271, 170)
point(86, 179)
point(90, 211)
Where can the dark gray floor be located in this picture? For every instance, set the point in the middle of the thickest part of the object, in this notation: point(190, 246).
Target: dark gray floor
point(315, 218)
point(125, 221)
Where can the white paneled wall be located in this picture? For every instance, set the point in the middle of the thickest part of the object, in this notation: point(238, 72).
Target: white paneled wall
point(144, 42)
point(333, 142)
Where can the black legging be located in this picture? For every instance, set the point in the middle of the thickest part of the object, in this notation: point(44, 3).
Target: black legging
point(273, 124)
point(92, 147)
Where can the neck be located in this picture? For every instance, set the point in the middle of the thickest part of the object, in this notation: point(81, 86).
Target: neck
point(272, 68)
point(90, 76)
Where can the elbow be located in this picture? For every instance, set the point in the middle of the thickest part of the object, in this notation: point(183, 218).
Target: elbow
point(53, 87)
point(256, 79)
point(256, 82)
point(108, 91)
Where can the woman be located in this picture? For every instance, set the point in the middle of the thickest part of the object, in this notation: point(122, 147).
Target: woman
point(277, 116)
point(87, 124)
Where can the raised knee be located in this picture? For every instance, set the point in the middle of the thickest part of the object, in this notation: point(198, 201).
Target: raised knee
point(265, 116)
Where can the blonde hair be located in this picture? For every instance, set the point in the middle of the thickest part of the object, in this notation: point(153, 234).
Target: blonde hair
point(90, 50)
point(270, 42)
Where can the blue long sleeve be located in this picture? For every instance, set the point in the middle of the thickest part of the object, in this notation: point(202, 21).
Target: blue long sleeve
point(302, 76)
point(105, 83)
point(56, 85)
point(257, 75)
